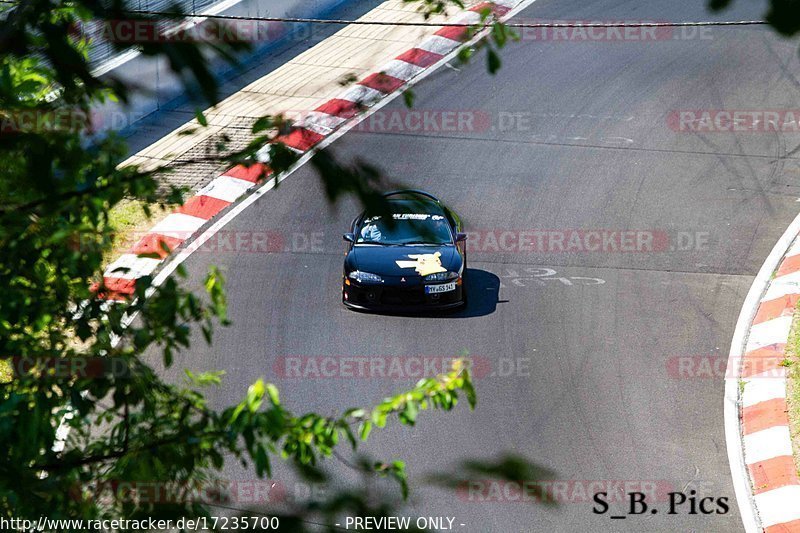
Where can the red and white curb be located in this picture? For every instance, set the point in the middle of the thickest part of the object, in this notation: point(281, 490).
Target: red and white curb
point(761, 458)
point(119, 278)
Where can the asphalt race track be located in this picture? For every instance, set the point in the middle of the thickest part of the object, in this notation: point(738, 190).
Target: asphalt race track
point(571, 137)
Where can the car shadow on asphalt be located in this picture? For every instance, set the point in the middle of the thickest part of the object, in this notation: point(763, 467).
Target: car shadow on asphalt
point(483, 295)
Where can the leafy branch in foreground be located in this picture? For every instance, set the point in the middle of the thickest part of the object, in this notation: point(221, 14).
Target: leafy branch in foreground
point(782, 15)
point(100, 369)
point(169, 434)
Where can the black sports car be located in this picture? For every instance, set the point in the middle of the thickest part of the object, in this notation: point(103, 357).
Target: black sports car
point(412, 258)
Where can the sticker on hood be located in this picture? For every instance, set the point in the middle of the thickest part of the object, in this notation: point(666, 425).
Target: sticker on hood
point(424, 264)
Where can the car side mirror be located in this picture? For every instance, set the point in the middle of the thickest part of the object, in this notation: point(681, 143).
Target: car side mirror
point(461, 237)
point(349, 237)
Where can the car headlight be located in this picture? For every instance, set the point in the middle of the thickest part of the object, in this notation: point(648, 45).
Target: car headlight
point(365, 276)
point(441, 276)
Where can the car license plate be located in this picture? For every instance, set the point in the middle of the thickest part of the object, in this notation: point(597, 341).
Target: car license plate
point(436, 289)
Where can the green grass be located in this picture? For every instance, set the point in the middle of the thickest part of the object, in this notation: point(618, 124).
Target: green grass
point(792, 363)
point(130, 223)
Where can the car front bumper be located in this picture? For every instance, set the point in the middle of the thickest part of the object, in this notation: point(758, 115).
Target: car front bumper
point(395, 298)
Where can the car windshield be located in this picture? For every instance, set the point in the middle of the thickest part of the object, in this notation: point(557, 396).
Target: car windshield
point(405, 228)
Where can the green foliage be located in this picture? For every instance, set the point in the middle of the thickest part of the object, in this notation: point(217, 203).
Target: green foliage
point(782, 15)
point(499, 36)
point(126, 423)
point(429, 8)
point(408, 98)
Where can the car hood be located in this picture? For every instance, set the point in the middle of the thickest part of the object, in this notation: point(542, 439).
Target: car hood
point(382, 260)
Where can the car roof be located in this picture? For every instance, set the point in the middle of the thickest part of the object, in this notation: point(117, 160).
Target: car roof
point(411, 201)
point(415, 205)
point(403, 206)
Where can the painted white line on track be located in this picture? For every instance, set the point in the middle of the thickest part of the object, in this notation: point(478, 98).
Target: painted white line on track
point(401, 70)
point(767, 444)
point(467, 17)
point(783, 286)
point(362, 94)
point(225, 188)
point(178, 225)
point(323, 120)
point(438, 45)
point(769, 332)
point(774, 505)
point(757, 390)
point(794, 249)
point(316, 127)
point(131, 266)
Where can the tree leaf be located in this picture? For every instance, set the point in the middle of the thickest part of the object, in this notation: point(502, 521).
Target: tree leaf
point(408, 98)
point(201, 118)
point(365, 429)
point(492, 61)
point(272, 390)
